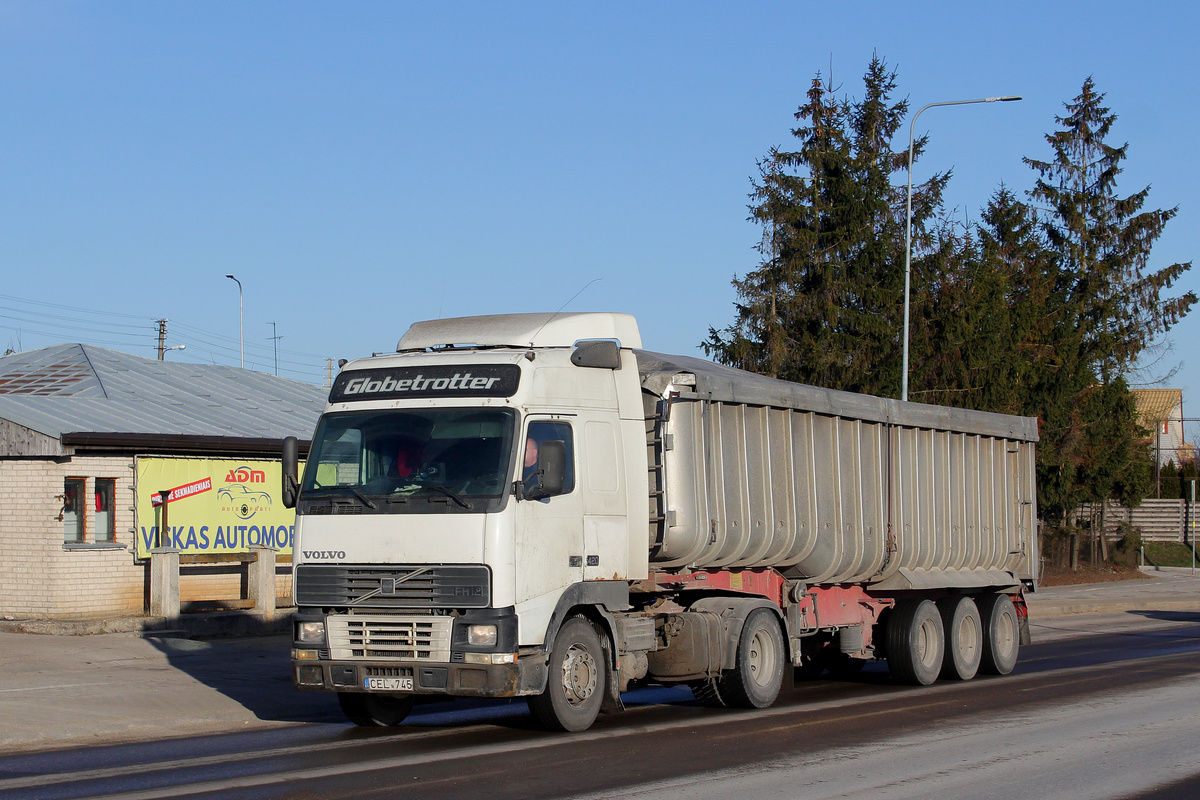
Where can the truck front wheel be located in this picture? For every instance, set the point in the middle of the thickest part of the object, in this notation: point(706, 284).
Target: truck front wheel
point(575, 680)
point(375, 710)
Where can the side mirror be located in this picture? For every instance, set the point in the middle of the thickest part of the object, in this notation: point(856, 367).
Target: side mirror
point(291, 480)
point(551, 470)
point(598, 353)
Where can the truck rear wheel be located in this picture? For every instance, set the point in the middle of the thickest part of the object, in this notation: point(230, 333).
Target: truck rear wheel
point(915, 642)
point(1001, 634)
point(575, 680)
point(964, 637)
point(757, 674)
point(375, 710)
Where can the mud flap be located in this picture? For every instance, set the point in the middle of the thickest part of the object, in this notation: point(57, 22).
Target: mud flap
point(612, 685)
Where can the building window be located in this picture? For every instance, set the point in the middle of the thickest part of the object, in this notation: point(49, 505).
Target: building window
point(106, 489)
point(73, 509)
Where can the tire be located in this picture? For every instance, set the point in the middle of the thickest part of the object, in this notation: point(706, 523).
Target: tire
point(1001, 634)
point(375, 710)
point(964, 637)
point(757, 674)
point(915, 642)
point(575, 680)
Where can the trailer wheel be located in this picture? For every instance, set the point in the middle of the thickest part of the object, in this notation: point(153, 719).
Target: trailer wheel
point(964, 637)
point(915, 642)
point(375, 710)
point(575, 680)
point(1001, 634)
point(757, 674)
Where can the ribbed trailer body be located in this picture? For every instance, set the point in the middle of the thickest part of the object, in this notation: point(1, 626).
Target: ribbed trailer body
point(834, 487)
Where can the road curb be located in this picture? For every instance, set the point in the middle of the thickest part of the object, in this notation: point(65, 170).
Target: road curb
point(225, 623)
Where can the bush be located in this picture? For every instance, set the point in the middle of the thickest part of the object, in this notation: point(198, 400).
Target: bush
point(1127, 549)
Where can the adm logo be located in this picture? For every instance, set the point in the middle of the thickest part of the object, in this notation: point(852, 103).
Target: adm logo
point(244, 501)
point(317, 555)
point(244, 474)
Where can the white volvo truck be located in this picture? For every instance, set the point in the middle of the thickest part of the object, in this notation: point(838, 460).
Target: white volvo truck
point(530, 505)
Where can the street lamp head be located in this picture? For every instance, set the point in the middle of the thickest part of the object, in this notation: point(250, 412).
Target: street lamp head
point(1006, 99)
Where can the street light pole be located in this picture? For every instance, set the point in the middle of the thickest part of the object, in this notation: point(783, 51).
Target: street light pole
point(908, 222)
point(242, 310)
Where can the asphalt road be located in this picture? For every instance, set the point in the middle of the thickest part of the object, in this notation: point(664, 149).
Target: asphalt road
point(1101, 707)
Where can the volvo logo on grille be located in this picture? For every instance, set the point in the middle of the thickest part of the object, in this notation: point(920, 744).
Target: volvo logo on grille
point(387, 586)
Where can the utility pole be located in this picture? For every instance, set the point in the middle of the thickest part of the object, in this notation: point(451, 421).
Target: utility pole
point(162, 338)
point(276, 339)
point(328, 372)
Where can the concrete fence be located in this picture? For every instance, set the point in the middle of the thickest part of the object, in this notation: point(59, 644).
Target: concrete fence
point(1158, 520)
point(166, 564)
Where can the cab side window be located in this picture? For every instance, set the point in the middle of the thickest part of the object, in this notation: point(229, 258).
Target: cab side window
point(539, 432)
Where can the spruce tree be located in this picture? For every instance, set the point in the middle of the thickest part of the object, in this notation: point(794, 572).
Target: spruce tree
point(1103, 240)
point(825, 304)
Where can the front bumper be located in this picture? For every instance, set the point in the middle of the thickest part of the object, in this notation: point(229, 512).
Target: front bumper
point(526, 677)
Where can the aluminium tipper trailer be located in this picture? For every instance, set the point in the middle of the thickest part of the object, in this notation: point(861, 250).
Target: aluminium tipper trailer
point(591, 516)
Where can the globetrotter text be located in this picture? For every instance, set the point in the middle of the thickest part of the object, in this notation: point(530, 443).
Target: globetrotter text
point(418, 384)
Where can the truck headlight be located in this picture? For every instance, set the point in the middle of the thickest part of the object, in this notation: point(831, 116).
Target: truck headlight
point(310, 632)
point(481, 634)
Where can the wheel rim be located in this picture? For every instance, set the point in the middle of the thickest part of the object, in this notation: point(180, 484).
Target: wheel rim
point(928, 638)
point(1006, 634)
point(579, 673)
point(762, 658)
point(968, 638)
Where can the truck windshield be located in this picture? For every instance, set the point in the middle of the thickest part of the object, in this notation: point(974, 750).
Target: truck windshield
point(445, 455)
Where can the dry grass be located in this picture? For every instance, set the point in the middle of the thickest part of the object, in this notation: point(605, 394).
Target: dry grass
point(1087, 573)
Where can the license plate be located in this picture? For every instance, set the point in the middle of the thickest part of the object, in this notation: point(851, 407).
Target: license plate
point(389, 684)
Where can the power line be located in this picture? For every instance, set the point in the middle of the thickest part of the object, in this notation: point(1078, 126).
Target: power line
point(109, 328)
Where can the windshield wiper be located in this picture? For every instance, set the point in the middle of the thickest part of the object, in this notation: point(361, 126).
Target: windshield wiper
point(322, 491)
point(447, 492)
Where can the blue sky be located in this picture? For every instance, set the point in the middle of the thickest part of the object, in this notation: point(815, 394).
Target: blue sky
point(362, 165)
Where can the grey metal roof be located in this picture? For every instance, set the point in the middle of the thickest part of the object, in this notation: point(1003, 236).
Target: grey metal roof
point(81, 388)
point(730, 385)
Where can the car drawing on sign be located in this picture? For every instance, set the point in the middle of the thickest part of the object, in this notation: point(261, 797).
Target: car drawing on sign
point(245, 501)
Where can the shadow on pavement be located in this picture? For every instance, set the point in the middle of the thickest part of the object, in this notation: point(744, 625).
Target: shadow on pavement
point(1170, 616)
point(254, 671)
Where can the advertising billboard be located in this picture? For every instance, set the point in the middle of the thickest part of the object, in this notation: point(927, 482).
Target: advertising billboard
point(214, 506)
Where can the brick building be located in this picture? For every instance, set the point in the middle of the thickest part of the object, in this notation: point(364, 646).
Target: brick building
point(77, 423)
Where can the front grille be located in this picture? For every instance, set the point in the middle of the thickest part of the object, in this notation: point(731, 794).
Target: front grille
point(332, 508)
point(398, 586)
point(370, 637)
point(387, 672)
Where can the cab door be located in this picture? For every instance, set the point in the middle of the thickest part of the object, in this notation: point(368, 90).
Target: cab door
point(549, 530)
